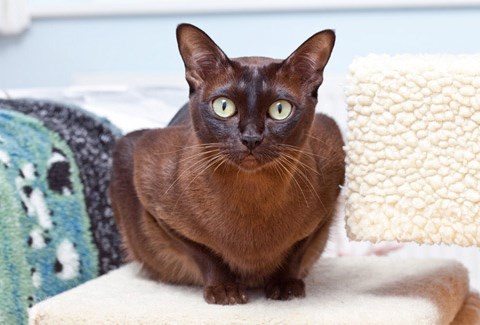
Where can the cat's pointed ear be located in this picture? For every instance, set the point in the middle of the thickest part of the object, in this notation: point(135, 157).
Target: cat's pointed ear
point(308, 61)
point(202, 57)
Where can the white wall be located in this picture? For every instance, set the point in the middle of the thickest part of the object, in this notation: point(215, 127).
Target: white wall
point(53, 51)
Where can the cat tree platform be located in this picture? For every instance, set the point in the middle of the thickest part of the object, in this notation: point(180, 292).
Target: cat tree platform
point(362, 290)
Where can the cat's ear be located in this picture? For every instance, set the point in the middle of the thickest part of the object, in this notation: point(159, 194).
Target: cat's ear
point(202, 57)
point(308, 61)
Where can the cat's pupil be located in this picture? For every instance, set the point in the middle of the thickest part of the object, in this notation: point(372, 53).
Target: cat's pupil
point(279, 108)
point(224, 105)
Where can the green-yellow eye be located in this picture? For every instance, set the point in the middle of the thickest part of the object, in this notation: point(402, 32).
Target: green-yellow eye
point(280, 110)
point(224, 107)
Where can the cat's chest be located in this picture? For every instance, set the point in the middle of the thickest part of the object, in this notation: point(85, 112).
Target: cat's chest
point(259, 214)
point(261, 218)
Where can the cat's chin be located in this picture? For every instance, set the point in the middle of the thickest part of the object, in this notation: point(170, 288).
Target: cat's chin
point(249, 163)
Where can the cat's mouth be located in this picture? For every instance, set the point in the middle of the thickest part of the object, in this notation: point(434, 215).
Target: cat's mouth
point(249, 162)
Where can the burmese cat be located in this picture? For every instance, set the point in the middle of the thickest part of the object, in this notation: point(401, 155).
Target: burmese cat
point(240, 189)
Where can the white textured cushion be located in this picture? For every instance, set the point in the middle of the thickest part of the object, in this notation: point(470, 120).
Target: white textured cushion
point(362, 290)
point(413, 153)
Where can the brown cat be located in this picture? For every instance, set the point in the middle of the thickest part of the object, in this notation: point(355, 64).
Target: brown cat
point(240, 189)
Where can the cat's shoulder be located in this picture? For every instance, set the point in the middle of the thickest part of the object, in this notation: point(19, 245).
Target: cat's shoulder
point(158, 143)
point(326, 134)
point(156, 154)
point(125, 146)
point(326, 126)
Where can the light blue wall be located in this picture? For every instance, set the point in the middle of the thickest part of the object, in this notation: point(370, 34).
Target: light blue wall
point(55, 49)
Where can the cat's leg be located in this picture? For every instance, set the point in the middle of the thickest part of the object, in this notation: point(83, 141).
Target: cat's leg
point(220, 285)
point(287, 282)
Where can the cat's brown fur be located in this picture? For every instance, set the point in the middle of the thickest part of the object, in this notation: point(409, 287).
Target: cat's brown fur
point(192, 214)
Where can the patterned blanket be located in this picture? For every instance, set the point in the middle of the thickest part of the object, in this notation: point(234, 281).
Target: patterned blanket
point(56, 224)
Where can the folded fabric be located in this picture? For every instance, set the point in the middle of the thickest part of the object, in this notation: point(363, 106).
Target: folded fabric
point(361, 290)
point(45, 243)
point(413, 152)
point(56, 224)
point(91, 140)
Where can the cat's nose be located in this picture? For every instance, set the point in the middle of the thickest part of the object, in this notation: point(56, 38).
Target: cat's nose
point(251, 141)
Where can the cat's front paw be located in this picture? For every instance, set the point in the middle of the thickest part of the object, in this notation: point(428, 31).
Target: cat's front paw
point(285, 289)
point(225, 294)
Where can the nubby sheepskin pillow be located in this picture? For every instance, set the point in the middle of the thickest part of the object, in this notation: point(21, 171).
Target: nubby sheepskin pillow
point(413, 152)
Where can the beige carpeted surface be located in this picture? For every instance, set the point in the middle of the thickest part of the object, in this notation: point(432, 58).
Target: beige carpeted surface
point(362, 290)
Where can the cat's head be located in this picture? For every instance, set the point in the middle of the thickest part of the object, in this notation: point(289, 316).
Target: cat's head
point(253, 109)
